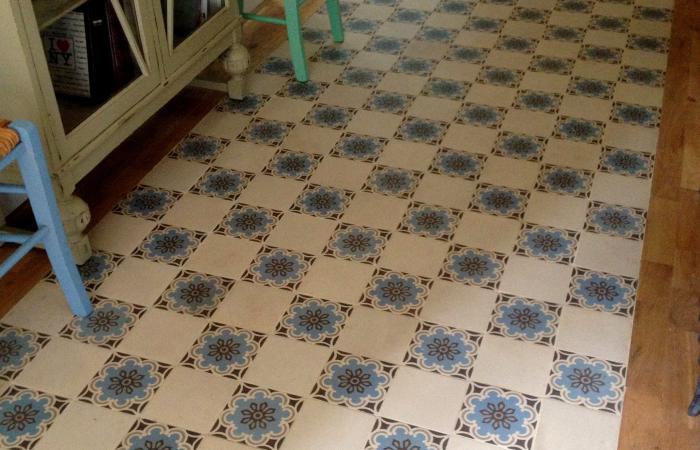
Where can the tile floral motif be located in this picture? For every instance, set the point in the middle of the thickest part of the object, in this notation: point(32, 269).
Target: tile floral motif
point(539, 101)
point(392, 181)
point(354, 381)
point(534, 15)
point(97, 268)
point(474, 55)
point(257, 417)
point(564, 180)
point(396, 292)
point(499, 416)
point(333, 55)
point(224, 350)
point(591, 382)
point(322, 201)
point(525, 320)
point(481, 115)
point(249, 222)
point(644, 116)
point(390, 434)
point(500, 76)
point(652, 13)
point(170, 245)
point(356, 243)
point(609, 23)
point(291, 164)
point(107, 325)
point(443, 350)
point(499, 201)
point(222, 183)
point(436, 34)
point(279, 268)
point(455, 7)
point(264, 131)
point(361, 25)
point(458, 164)
point(309, 90)
point(429, 220)
point(626, 162)
point(149, 435)
point(248, 105)
point(473, 266)
point(360, 77)
point(563, 33)
point(485, 24)
point(590, 87)
point(580, 130)
point(198, 148)
point(575, 6)
point(599, 53)
point(519, 146)
point(386, 44)
point(421, 130)
point(517, 44)
point(642, 76)
point(415, 16)
point(648, 43)
point(615, 220)
point(602, 292)
point(359, 147)
point(27, 415)
point(444, 88)
point(390, 102)
point(335, 117)
point(547, 243)
point(17, 348)
point(147, 203)
point(314, 320)
point(194, 293)
point(414, 66)
point(125, 383)
point(552, 64)
point(275, 65)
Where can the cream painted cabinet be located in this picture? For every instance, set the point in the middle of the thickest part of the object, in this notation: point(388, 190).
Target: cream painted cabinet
point(161, 45)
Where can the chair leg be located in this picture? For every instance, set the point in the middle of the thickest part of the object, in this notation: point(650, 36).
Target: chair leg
point(40, 193)
point(296, 41)
point(336, 20)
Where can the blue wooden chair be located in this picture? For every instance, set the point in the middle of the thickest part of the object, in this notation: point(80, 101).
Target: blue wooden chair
point(20, 143)
point(292, 20)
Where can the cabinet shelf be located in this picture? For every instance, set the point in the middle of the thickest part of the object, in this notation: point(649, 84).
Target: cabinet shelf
point(49, 11)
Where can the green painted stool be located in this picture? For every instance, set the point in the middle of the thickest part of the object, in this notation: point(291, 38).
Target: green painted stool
point(292, 21)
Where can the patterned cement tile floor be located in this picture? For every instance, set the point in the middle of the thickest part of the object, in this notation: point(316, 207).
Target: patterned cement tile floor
point(433, 245)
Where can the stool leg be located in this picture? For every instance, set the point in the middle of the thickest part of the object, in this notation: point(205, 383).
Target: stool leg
point(336, 20)
point(40, 193)
point(296, 42)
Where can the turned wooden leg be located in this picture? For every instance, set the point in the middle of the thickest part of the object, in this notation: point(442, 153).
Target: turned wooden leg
point(75, 215)
point(236, 62)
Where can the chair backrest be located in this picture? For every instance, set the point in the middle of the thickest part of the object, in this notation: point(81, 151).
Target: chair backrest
point(8, 138)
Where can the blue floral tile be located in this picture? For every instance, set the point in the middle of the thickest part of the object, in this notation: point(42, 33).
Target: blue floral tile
point(600, 291)
point(642, 76)
point(444, 88)
point(383, 2)
point(499, 201)
point(609, 23)
point(591, 382)
point(473, 55)
point(333, 55)
point(485, 24)
point(17, 348)
point(436, 34)
point(264, 131)
point(360, 77)
point(354, 381)
point(224, 350)
point(473, 266)
point(525, 320)
point(275, 65)
point(654, 44)
point(499, 416)
point(534, 15)
point(461, 7)
point(481, 115)
point(390, 102)
point(194, 293)
point(346, 8)
point(248, 105)
point(147, 203)
point(626, 162)
point(417, 129)
point(125, 383)
point(26, 416)
point(222, 183)
point(390, 434)
point(563, 33)
point(396, 292)
point(431, 221)
point(444, 350)
point(170, 245)
point(551, 64)
point(644, 116)
point(591, 87)
point(499, 2)
point(107, 325)
point(149, 435)
point(199, 148)
point(392, 181)
point(564, 180)
point(547, 243)
point(291, 164)
point(356, 243)
point(97, 268)
point(414, 16)
point(361, 25)
point(257, 417)
point(652, 13)
point(519, 146)
point(598, 53)
point(580, 130)
point(458, 164)
point(615, 220)
point(575, 6)
point(315, 36)
point(500, 76)
point(335, 117)
point(322, 201)
point(386, 44)
point(359, 147)
point(314, 320)
point(279, 268)
point(308, 90)
point(249, 222)
point(414, 66)
point(539, 101)
point(518, 44)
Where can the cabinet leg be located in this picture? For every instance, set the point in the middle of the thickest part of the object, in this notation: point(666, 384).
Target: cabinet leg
point(236, 62)
point(76, 217)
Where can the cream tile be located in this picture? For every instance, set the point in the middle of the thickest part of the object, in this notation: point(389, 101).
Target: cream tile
point(349, 96)
point(511, 60)
point(609, 254)
point(197, 212)
point(324, 72)
point(366, 327)
point(271, 192)
point(374, 123)
point(529, 122)
point(445, 20)
point(642, 95)
point(376, 12)
point(311, 139)
point(245, 156)
point(594, 429)
point(605, 38)
point(164, 336)
point(585, 107)
point(425, 399)
point(253, 306)
point(459, 306)
point(593, 69)
point(375, 61)
point(476, 39)
point(612, 9)
point(488, 94)
point(456, 70)
point(138, 281)
point(341, 172)
point(407, 155)
point(174, 174)
point(402, 82)
point(43, 309)
point(532, 278)
point(510, 172)
point(568, 19)
point(650, 28)
point(223, 256)
point(355, 41)
point(119, 234)
point(213, 443)
point(463, 443)
point(301, 232)
point(287, 365)
point(470, 138)
point(443, 190)
point(426, 49)
point(630, 136)
point(487, 232)
point(336, 279)
point(434, 108)
point(398, 29)
point(595, 333)
point(492, 10)
point(520, 366)
point(375, 210)
point(520, 28)
point(222, 124)
point(262, 83)
point(561, 211)
point(285, 109)
point(541, 81)
point(427, 5)
point(402, 250)
point(558, 48)
point(577, 155)
point(621, 190)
